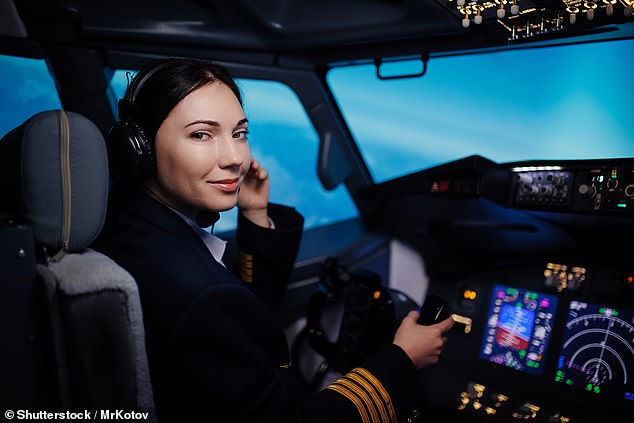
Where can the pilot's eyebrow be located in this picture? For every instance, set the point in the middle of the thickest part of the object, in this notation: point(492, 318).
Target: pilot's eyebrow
point(206, 122)
point(214, 123)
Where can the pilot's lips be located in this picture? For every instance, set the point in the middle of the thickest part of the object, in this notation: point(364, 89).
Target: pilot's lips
point(227, 185)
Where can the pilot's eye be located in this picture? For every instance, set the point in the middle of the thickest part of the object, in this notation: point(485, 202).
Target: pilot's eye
point(242, 134)
point(200, 136)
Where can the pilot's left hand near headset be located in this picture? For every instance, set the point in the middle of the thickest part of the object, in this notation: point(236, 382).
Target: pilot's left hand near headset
point(253, 198)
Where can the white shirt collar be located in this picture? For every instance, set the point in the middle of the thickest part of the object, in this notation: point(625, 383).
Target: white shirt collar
point(215, 245)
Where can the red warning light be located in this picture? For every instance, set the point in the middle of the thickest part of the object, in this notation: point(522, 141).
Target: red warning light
point(440, 186)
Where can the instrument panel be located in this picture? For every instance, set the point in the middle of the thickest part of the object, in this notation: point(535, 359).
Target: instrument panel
point(535, 260)
point(601, 188)
point(596, 351)
point(537, 349)
point(597, 187)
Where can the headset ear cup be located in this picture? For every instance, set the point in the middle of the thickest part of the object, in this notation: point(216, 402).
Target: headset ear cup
point(132, 157)
point(146, 162)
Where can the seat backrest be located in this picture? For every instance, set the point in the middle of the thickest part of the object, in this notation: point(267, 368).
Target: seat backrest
point(77, 339)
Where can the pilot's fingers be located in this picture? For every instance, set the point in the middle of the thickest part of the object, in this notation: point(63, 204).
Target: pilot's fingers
point(413, 315)
point(262, 173)
point(446, 324)
point(258, 171)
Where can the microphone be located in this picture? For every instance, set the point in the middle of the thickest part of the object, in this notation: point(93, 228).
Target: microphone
point(206, 218)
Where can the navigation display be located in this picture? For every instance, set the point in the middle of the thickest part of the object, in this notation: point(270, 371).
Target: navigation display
point(597, 353)
point(518, 328)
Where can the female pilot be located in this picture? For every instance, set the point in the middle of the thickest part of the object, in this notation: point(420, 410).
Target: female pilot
point(180, 154)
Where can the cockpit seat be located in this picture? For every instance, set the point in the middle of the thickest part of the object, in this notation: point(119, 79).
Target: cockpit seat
point(70, 317)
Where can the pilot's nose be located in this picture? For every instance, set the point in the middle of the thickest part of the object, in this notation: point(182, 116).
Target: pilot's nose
point(231, 153)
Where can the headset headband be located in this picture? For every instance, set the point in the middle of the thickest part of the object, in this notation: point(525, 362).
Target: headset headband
point(126, 104)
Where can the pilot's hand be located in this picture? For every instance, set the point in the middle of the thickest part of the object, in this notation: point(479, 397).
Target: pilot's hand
point(422, 344)
point(253, 197)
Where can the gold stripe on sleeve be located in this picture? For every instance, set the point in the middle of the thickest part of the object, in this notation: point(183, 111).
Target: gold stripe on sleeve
point(379, 387)
point(376, 399)
point(363, 394)
point(354, 399)
point(246, 267)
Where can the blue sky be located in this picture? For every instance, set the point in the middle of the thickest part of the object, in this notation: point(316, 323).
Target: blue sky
point(569, 102)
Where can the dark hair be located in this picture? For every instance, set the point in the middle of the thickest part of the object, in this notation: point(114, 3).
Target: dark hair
point(159, 87)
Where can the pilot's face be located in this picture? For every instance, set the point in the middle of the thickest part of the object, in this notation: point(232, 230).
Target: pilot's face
point(202, 152)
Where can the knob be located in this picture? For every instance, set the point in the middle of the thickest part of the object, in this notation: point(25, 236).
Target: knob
point(555, 179)
point(586, 190)
point(496, 399)
point(612, 183)
point(525, 178)
point(532, 189)
point(557, 418)
point(526, 412)
point(475, 390)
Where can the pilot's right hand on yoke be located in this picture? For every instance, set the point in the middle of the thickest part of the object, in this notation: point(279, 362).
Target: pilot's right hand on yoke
point(422, 344)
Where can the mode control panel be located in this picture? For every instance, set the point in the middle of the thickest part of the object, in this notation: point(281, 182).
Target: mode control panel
point(602, 189)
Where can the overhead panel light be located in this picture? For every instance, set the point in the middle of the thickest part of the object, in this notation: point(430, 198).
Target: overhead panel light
point(529, 18)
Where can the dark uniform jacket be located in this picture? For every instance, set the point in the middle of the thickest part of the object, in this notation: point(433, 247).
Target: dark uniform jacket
point(217, 353)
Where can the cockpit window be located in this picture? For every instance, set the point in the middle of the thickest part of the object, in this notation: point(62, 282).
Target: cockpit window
point(285, 142)
point(569, 102)
point(27, 88)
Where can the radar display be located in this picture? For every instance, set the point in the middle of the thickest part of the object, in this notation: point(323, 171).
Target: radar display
point(597, 353)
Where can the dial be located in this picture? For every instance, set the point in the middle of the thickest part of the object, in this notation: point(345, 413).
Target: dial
point(597, 354)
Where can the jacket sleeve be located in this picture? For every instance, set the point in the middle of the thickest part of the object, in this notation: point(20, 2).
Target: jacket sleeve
point(235, 372)
point(267, 256)
point(386, 388)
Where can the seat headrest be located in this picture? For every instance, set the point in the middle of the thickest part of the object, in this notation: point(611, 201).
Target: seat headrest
point(54, 177)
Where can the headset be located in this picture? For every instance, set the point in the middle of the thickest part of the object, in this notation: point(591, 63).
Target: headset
point(128, 144)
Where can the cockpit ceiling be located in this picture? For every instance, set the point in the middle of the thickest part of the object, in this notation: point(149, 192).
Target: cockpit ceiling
point(328, 30)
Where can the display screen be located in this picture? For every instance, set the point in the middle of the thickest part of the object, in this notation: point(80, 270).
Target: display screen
point(518, 329)
point(597, 354)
